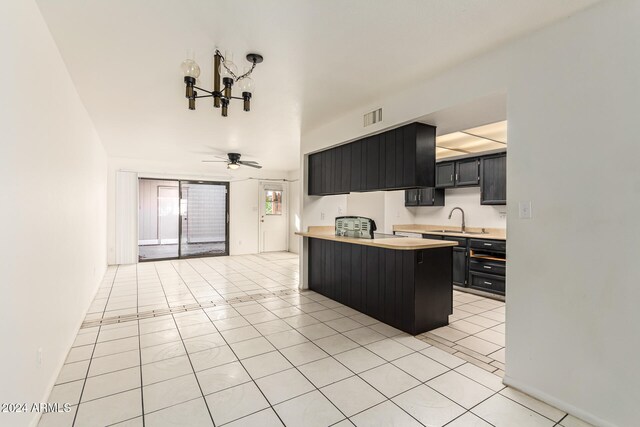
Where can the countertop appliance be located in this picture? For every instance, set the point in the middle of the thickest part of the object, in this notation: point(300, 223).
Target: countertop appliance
point(355, 226)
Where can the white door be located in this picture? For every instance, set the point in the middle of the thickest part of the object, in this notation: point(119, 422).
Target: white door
point(273, 217)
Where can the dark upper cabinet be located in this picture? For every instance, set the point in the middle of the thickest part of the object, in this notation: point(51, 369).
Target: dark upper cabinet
point(356, 166)
point(372, 163)
point(344, 155)
point(467, 172)
point(393, 160)
point(411, 197)
point(445, 175)
point(460, 173)
point(315, 174)
point(424, 197)
point(430, 197)
point(388, 147)
point(326, 184)
point(493, 190)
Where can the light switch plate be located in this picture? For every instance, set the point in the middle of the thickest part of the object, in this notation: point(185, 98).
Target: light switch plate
point(524, 210)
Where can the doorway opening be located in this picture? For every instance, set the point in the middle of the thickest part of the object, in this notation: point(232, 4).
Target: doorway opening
point(182, 219)
point(273, 226)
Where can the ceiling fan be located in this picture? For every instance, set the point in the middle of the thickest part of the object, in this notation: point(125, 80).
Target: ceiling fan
point(233, 161)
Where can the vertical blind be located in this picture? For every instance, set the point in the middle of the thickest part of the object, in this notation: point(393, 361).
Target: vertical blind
point(126, 217)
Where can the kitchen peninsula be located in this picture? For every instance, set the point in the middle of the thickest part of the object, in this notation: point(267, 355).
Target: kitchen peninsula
point(403, 282)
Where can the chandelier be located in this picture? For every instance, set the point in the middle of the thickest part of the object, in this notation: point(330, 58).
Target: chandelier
point(225, 72)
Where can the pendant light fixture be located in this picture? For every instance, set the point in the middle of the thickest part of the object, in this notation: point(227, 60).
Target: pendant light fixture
point(225, 72)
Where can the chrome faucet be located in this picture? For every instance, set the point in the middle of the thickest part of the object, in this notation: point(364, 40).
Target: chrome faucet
point(460, 209)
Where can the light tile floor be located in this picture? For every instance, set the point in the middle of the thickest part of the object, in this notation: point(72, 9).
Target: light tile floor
point(261, 353)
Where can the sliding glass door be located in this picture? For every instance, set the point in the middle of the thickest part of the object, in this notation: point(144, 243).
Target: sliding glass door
point(203, 208)
point(180, 219)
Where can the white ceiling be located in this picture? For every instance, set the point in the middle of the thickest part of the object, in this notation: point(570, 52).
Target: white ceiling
point(321, 58)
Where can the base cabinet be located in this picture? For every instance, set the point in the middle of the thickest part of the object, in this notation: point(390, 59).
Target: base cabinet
point(408, 289)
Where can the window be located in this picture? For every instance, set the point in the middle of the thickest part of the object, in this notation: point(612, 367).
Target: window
point(273, 202)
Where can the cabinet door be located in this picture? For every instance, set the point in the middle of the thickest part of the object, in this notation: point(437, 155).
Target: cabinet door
point(430, 197)
point(467, 172)
point(336, 175)
point(493, 188)
point(445, 174)
point(372, 164)
point(399, 153)
point(411, 197)
point(345, 169)
point(356, 166)
point(327, 172)
point(460, 266)
point(315, 174)
point(409, 158)
point(389, 138)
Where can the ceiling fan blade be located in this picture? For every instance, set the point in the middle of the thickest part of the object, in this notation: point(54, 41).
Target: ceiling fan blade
point(215, 161)
point(250, 164)
point(249, 161)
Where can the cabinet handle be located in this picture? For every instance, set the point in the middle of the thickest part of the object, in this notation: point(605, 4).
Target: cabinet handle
point(487, 283)
point(456, 177)
point(488, 244)
point(487, 267)
point(451, 177)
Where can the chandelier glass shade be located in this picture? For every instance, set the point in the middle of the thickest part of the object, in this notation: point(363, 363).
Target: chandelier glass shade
point(225, 77)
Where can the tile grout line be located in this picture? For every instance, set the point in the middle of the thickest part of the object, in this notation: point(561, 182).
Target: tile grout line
point(241, 364)
point(95, 344)
point(185, 349)
point(140, 349)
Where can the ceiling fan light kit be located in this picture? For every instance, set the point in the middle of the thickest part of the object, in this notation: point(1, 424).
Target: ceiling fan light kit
point(233, 161)
point(225, 72)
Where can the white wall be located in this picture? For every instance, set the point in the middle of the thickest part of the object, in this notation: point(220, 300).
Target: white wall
point(573, 327)
point(370, 205)
point(387, 209)
point(295, 207)
point(243, 202)
point(53, 167)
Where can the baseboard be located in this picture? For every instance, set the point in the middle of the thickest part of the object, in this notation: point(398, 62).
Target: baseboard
point(560, 404)
point(34, 422)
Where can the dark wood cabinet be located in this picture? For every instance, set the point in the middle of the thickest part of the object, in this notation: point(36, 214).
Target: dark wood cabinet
point(467, 172)
point(460, 266)
point(430, 197)
point(357, 167)
point(460, 260)
point(409, 290)
point(315, 174)
point(372, 163)
point(424, 197)
point(397, 159)
point(461, 173)
point(445, 175)
point(411, 197)
point(494, 180)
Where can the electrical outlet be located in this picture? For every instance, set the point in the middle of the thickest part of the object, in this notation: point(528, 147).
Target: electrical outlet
point(239, 242)
point(39, 356)
point(339, 210)
point(321, 216)
point(524, 210)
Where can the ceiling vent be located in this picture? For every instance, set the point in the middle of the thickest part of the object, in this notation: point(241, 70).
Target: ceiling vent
point(373, 117)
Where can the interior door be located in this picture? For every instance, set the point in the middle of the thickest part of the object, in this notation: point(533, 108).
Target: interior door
point(273, 218)
point(204, 218)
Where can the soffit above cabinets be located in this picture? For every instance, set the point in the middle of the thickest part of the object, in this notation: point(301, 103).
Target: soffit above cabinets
point(471, 141)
